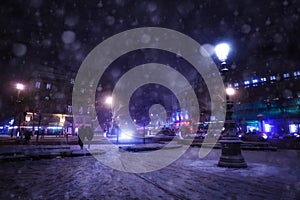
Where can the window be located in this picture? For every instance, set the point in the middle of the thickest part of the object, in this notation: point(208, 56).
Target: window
point(272, 78)
point(69, 109)
point(236, 85)
point(48, 86)
point(38, 84)
point(80, 110)
point(297, 73)
point(263, 79)
point(88, 110)
point(254, 82)
point(286, 75)
point(246, 83)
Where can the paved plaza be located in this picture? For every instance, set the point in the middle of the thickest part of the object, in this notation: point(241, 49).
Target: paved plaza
point(270, 175)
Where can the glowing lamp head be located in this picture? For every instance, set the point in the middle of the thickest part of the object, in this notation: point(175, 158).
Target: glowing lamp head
point(222, 51)
point(108, 100)
point(20, 86)
point(230, 91)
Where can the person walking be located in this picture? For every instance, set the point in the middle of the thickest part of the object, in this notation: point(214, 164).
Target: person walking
point(67, 135)
point(81, 136)
point(43, 134)
point(89, 135)
point(27, 136)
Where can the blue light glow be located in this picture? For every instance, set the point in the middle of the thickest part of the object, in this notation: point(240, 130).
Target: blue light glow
point(186, 116)
point(268, 128)
point(251, 128)
point(11, 122)
point(293, 128)
point(126, 135)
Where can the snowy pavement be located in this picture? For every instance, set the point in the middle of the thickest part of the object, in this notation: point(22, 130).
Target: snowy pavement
point(36, 152)
point(270, 175)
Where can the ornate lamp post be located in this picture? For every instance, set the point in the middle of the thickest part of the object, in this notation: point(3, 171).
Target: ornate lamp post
point(109, 101)
point(231, 152)
point(20, 87)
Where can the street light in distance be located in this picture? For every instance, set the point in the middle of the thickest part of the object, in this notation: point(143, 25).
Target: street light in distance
point(230, 91)
point(108, 100)
point(20, 87)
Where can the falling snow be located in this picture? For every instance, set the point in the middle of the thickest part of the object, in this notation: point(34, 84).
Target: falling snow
point(19, 49)
point(68, 37)
point(110, 20)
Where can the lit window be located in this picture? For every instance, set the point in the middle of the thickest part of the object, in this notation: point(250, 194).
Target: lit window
point(38, 85)
point(268, 128)
point(80, 110)
point(236, 84)
point(286, 75)
point(48, 86)
point(297, 73)
point(254, 81)
point(263, 79)
point(272, 78)
point(69, 109)
point(246, 83)
point(293, 128)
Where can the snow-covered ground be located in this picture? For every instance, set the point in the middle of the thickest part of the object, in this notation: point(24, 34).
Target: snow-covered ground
point(270, 175)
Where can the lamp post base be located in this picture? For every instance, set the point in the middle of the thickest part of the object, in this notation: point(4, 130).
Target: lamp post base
point(231, 153)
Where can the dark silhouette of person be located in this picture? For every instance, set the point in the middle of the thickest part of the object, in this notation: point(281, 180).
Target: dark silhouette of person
point(27, 136)
point(81, 136)
point(43, 133)
point(89, 135)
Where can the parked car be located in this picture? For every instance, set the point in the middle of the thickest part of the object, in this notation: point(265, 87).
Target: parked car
point(166, 131)
point(254, 136)
point(292, 136)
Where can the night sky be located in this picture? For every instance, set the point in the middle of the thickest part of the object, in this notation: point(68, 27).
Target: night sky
point(264, 35)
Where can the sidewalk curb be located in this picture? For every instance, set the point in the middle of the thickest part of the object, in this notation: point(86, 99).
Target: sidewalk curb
point(135, 148)
point(34, 155)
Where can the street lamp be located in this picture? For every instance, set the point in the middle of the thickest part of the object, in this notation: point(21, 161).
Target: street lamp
point(231, 152)
point(222, 51)
point(20, 87)
point(109, 101)
point(230, 91)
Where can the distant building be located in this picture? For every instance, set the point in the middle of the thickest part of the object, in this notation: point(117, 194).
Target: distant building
point(269, 103)
point(47, 100)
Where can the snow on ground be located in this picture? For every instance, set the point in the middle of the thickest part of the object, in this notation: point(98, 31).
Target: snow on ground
point(270, 175)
